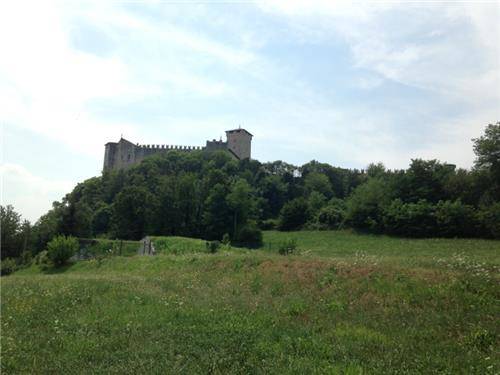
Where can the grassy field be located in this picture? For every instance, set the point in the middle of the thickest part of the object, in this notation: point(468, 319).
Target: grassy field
point(104, 247)
point(346, 303)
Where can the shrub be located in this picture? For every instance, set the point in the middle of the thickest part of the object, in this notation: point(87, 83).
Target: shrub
point(490, 220)
point(8, 266)
point(410, 219)
point(61, 248)
point(315, 202)
point(331, 216)
point(455, 219)
point(213, 246)
point(250, 235)
point(269, 224)
point(287, 247)
point(365, 206)
point(26, 257)
point(294, 214)
point(42, 258)
point(226, 239)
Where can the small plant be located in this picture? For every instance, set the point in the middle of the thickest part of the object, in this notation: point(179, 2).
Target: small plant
point(226, 240)
point(8, 266)
point(269, 224)
point(288, 247)
point(212, 246)
point(61, 248)
point(481, 339)
point(26, 257)
point(250, 235)
point(42, 260)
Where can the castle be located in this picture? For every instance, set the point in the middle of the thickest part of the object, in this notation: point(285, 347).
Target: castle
point(124, 154)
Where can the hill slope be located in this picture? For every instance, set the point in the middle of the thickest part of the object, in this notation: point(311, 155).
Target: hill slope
point(346, 304)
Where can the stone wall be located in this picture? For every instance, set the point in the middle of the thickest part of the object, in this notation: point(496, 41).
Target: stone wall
point(239, 141)
point(124, 154)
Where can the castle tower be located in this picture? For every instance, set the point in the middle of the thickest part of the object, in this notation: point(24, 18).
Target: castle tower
point(109, 155)
point(239, 141)
point(118, 155)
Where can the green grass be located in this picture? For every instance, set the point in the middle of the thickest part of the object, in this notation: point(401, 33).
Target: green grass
point(178, 245)
point(103, 247)
point(346, 304)
point(346, 244)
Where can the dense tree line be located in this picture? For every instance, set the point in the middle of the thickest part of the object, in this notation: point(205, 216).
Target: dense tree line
point(207, 195)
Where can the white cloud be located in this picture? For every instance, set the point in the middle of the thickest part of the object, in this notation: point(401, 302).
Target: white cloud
point(447, 51)
point(418, 44)
point(30, 194)
point(114, 18)
point(45, 84)
point(206, 62)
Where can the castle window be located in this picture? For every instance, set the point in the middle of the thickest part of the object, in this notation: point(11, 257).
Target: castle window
point(128, 157)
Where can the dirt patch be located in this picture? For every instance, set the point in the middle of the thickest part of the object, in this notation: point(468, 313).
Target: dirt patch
point(356, 271)
point(304, 272)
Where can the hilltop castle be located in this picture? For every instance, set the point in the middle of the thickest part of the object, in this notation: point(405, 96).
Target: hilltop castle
point(123, 154)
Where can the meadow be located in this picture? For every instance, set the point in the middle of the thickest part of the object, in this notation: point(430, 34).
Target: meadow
point(342, 303)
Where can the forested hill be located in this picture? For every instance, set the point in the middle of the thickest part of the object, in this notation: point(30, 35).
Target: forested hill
point(198, 194)
point(209, 195)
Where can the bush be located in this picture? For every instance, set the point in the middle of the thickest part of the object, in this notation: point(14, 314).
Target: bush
point(365, 206)
point(294, 214)
point(213, 246)
point(42, 258)
point(288, 247)
point(26, 257)
point(455, 219)
point(250, 235)
point(410, 219)
point(8, 266)
point(269, 224)
point(315, 202)
point(490, 220)
point(226, 239)
point(331, 216)
point(61, 248)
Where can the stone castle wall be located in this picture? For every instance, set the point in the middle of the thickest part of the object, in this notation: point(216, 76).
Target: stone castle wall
point(124, 154)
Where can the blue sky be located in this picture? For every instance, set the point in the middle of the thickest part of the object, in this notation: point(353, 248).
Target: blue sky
point(342, 83)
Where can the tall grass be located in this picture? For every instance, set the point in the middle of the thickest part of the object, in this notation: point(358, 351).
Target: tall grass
point(346, 304)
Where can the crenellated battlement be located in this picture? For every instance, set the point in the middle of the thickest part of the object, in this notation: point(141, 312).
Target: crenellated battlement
point(124, 154)
point(170, 147)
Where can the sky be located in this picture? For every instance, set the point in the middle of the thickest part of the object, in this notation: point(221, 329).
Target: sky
point(342, 83)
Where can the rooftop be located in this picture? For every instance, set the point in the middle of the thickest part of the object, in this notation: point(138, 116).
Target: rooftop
point(239, 130)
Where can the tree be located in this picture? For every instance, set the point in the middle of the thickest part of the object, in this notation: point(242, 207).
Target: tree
point(274, 191)
point(133, 209)
point(410, 219)
point(217, 218)
point(332, 216)
point(455, 219)
point(10, 222)
point(487, 149)
point(47, 226)
point(315, 202)
point(375, 170)
point(241, 202)
point(365, 206)
point(206, 195)
point(425, 179)
point(249, 235)
point(294, 214)
point(101, 219)
point(490, 220)
point(318, 182)
point(61, 248)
